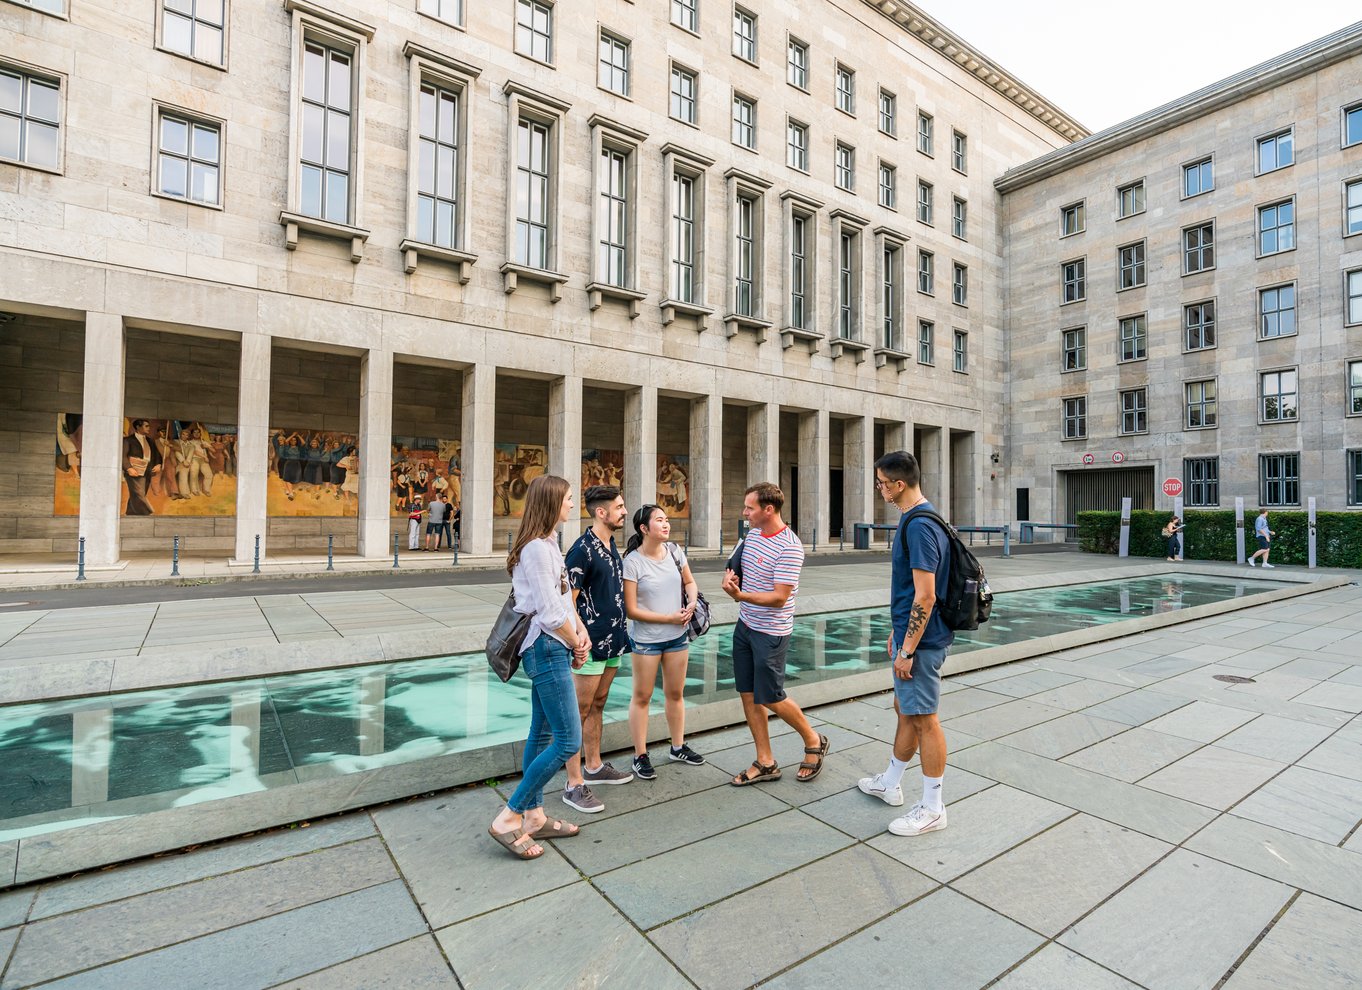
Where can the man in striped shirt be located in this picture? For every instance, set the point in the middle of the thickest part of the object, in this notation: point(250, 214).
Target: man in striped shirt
point(765, 591)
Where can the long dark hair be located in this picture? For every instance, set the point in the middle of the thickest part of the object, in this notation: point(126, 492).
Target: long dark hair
point(543, 507)
point(642, 518)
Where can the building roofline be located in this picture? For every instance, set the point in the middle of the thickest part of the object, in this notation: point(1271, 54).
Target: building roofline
point(1294, 64)
point(955, 49)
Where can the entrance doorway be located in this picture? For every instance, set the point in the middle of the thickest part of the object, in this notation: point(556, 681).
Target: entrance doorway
point(836, 510)
point(1103, 489)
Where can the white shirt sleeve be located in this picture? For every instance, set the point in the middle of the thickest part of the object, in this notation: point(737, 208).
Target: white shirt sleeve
point(538, 585)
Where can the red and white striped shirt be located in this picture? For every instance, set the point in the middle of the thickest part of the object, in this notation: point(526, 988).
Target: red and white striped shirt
point(766, 562)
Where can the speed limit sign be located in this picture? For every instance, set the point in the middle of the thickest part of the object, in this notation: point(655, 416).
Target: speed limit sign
point(1117, 457)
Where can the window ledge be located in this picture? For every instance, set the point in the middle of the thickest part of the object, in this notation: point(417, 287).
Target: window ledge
point(883, 355)
point(598, 292)
point(671, 308)
point(294, 222)
point(789, 336)
point(844, 345)
point(514, 272)
point(733, 322)
point(413, 251)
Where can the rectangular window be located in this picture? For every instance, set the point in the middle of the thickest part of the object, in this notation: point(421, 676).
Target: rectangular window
point(845, 90)
point(1198, 248)
point(925, 334)
point(188, 157)
point(612, 218)
point(1352, 125)
point(1352, 202)
point(1075, 352)
point(1279, 479)
point(797, 64)
point(327, 133)
point(745, 35)
point(437, 181)
point(1130, 200)
point(797, 145)
point(1352, 282)
point(1072, 220)
point(889, 195)
point(889, 299)
point(1134, 338)
point(846, 285)
point(1277, 227)
point(683, 238)
point(1198, 321)
point(1355, 477)
point(1275, 151)
point(30, 118)
point(683, 95)
point(959, 152)
point(800, 227)
point(614, 67)
point(532, 228)
point(1134, 411)
point(685, 14)
point(926, 273)
point(1277, 396)
point(1130, 264)
point(960, 354)
point(534, 29)
point(924, 202)
point(1073, 276)
point(745, 290)
point(1075, 417)
point(443, 10)
point(924, 132)
point(57, 7)
point(958, 216)
point(889, 113)
point(1198, 178)
point(844, 167)
point(959, 284)
point(1201, 480)
point(1355, 388)
point(744, 122)
point(194, 28)
point(1200, 405)
point(1277, 312)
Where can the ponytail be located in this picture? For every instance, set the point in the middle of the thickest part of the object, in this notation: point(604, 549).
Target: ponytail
point(642, 518)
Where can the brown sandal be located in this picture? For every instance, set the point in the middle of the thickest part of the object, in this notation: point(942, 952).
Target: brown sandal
point(555, 828)
point(764, 774)
point(820, 751)
point(514, 844)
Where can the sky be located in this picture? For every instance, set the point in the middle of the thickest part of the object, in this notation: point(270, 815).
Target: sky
point(1105, 62)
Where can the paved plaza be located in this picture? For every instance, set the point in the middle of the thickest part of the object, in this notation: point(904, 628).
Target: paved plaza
point(1118, 818)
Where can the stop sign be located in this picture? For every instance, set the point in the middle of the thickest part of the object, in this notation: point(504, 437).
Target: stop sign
point(1172, 487)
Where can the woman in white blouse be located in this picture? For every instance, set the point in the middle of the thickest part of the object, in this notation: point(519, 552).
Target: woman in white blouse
point(556, 643)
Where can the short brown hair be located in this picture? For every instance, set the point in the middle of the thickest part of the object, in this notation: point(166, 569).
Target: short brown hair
point(768, 495)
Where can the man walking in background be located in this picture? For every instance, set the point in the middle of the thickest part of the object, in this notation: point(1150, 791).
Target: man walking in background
point(1264, 536)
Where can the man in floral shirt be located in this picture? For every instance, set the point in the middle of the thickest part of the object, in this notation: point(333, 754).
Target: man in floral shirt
point(596, 574)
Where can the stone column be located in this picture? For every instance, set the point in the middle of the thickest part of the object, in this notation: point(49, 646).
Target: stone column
point(763, 443)
point(897, 436)
point(478, 431)
point(640, 447)
point(565, 443)
point(813, 476)
point(934, 461)
point(706, 470)
point(375, 453)
point(943, 497)
point(252, 446)
point(858, 473)
point(101, 462)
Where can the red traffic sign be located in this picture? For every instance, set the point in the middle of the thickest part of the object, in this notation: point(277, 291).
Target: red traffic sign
point(1117, 457)
point(1172, 487)
point(1088, 458)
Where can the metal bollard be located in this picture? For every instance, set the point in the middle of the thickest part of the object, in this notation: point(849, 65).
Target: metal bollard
point(814, 548)
point(175, 558)
point(256, 568)
point(456, 552)
point(508, 544)
point(842, 540)
point(395, 539)
point(330, 551)
point(560, 541)
point(80, 561)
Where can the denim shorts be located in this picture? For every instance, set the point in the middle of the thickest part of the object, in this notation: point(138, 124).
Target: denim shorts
point(921, 694)
point(681, 642)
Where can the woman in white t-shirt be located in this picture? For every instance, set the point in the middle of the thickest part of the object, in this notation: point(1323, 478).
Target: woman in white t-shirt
point(659, 599)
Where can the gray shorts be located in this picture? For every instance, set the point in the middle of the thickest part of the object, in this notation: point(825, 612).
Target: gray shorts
point(759, 664)
point(921, 694)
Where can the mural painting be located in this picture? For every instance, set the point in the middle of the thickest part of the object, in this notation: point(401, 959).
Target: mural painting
point(425, 467)
point(514, 466)
point(673, 484)
point(601, 467)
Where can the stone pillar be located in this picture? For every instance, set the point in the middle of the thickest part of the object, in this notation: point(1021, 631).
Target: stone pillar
point(897, 436)
point(101, 462)
point(252, 446)
point(934, 460)
point(640, 447)
point(813, 477)
point(375, 453)
point(945, 490)
point(478, 431)
point(565, 443)
point(858, 473)
point(763, 443)
point(706, 470)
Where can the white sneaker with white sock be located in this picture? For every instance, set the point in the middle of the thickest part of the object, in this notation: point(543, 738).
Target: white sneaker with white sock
point(1270, 567)
point(1251, 563)
point(877, 786)
point(918, 820)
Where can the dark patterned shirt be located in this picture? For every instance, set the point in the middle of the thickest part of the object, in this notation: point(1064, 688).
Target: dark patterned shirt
point(596, 571)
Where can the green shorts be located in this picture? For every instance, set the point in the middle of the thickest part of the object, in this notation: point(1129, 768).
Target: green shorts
point(594, 667)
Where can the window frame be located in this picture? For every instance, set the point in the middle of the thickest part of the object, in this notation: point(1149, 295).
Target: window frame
point(793, 126)
point(617, 42)
point(926, 343)
point(1279, 395)
point(888, 99)
point(959, 151)
point(926, 202)
point(1348, 186)
point(844, 96)
point(1260, 232)
point(1138, 338)
point(1079, 282)
point(1204, 247)
point(1274, 136)
point(797, 208)
point(192, 118)
point(224, 28)
point(960, 284)
point(891, 303)
point(959, 218)
point(849, 284)
point(1201, 304)
point(1262, 314)
point(1202, 404)
point(1077, 349)
point(742, 185)
point(960, 351)
point(1139, 412)
point(537, 108)
point(1352, 475)
point(926, 133)
point(1139, 199)
point(1137, 268)
point(926, 273)
point(742, 15)
point(61, 13)
point(1352, 392)
point(535, 6)
point(609, 137)
point(793, 44)
point(1202, 491)
point(1354, 108)
point(844, 166)
point(1079, 210)
point(460, 22)
point(693, 6)
point(27, 73)
point(1198, 164)
point(742, 99)
point(887, 192)
point(681, 162)
point(1077, 415)
point(1284, 479)
point(674, 70)
point(1351, 319)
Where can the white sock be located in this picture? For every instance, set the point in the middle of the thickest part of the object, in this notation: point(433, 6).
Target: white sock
point(931, 794)
point(592, 769)
point(894, 775)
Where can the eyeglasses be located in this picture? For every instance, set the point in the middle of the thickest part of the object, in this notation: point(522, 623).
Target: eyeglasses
point(884, 484)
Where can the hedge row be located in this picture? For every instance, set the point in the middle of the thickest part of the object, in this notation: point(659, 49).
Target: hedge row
point(1210, 535)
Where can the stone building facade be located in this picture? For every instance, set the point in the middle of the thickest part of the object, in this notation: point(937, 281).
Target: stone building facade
point(662, 225)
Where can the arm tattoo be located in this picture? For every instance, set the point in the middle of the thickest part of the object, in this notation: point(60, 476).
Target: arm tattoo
point(917, 621)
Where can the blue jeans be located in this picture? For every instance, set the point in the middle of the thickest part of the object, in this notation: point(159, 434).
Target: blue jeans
point(555, 724)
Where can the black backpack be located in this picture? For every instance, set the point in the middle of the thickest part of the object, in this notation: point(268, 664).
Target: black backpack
point(966, 601)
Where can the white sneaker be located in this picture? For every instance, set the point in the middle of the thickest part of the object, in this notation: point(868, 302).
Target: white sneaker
point(875, 787)
point(1251, 563)
point(1270, 567)
point(918, 820)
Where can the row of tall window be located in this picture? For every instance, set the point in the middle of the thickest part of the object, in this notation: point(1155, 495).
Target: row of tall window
point(1279, 477)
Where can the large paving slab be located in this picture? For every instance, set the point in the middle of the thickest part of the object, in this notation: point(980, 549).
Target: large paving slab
point(1313, 945)
point(414, 965)
point(1057, 968)
point(1307, 802)
point(1214, 777)
point(1134, 754)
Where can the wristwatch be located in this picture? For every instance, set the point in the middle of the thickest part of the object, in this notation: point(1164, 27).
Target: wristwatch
point(904, 654)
